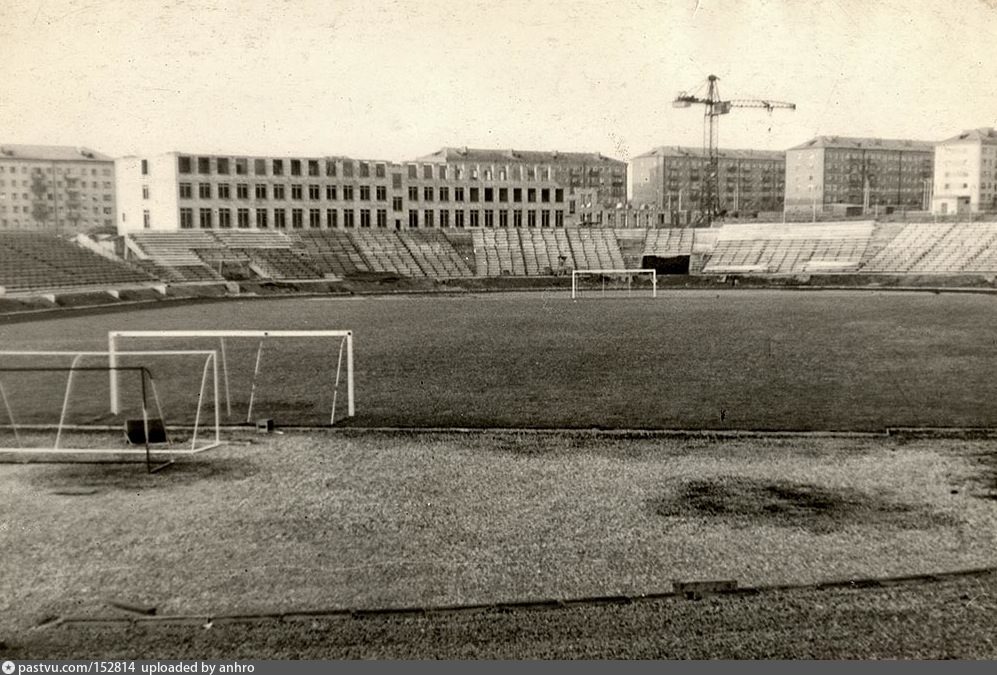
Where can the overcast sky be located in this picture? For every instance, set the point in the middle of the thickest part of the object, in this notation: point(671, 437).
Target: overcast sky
point(394, 80)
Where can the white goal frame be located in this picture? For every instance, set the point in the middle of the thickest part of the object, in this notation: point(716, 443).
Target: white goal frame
point(576, 273)
point(210, 366)
point(345, 335)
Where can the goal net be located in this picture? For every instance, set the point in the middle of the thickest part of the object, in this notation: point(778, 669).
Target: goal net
point(614, 283)
point(54, 404)
point(292, 377)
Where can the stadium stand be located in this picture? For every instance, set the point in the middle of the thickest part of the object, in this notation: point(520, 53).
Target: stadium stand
point(775, 248)
point(385, 252)
point(498, 252)
point(434, 254)
point(36, 261)
point(932, 248)
point(332, 252)
point(173, 254)
point(669, 242)
point(595, 248)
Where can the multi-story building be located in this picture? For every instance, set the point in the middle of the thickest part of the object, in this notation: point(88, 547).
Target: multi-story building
point(672, 179)
point(603, 177)
point(191, 191)
point(55, 188)
point(965, 178)
point(452, 188)
point(846, 176)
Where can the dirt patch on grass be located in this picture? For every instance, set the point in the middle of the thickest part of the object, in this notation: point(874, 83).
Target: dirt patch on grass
point(83, 478)
point(744, 501)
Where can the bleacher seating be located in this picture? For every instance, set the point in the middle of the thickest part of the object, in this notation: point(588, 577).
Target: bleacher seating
point(36, 261)
point(434, 254)
point(498, 252)
point(932, 248)
point(776, 248)
point(669, 242)
point(281, 263)
point(595, 248)
point(386, 252)
point(332, 252)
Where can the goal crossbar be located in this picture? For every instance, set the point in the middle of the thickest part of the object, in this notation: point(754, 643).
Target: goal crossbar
point(210, 366)
point(113, 338)
point(617, 272)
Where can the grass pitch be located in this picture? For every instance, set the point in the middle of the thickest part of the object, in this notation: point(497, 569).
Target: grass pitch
point(762, 360)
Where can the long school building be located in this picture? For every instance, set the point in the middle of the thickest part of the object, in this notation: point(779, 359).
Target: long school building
point(458, 189)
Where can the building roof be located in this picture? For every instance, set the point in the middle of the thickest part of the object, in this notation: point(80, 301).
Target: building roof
point(855, 143)
point(724, 153)
point(52, 153)
point(985, 135)
point(450, 154)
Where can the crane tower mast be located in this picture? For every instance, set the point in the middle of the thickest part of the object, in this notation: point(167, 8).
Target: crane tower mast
point(714, 107)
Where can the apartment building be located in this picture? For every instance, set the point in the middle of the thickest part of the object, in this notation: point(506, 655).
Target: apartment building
point(52, 188)
point(451, 188)
point(672, 178)
point(965, 176)
point(853, 176)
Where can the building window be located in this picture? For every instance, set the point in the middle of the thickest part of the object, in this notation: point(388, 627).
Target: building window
point(517, 218)
point(347, 169)
point(427, 217)
point(260, 168)
point(382, 193)
point(503, 218)
point(242, 190)
point(531, 195)
point(444, 194)
point(396, 181)
point(280, 219)
point(489, 194)
point(474, 218)
point(545, 218)
point(545, 195)
point(559, 195)
point(348, 218)
point(503, 194)
point(145, 192)
point(146, 222)
point(364, 217)
point(474, 194)
point(413, 218)
point(332, 217)
point(297, 217)
point(261, 190)
point(313, 167)
point(413, 193)
point(458, 218)
point(222, 165)
point(185, 191)
point(277, 168)
point(296, 190)
point(225, 218)
point(489, 218)
point(531, 218)
point(241, 166)
point(331, 193)
point(396, 204)
point(205, 218)
point(224, 191)
point(183, 164)
point(413, 171)
point(186, 218)
point(295, 167)
point(517, 195)
point(365, 193)
point(204, 190)
point(330, 167)
point(382, 217)
point(278, 193)
point(347, 192)
point(444, 218)
point(145, 167)
point(242, 218)
point(427, 194)
point(380, 171)
point(364, 171)
point(204, 165)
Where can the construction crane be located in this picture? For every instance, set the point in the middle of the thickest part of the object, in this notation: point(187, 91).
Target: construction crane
point(709, 196)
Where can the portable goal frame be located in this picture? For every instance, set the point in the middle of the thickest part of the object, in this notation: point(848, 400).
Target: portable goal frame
point(146, 375)
point(628, 272)
point(346, 337)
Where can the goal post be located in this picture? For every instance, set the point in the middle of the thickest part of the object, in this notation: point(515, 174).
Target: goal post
point(48, 391)
point(618, 280)
point(254, 360)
